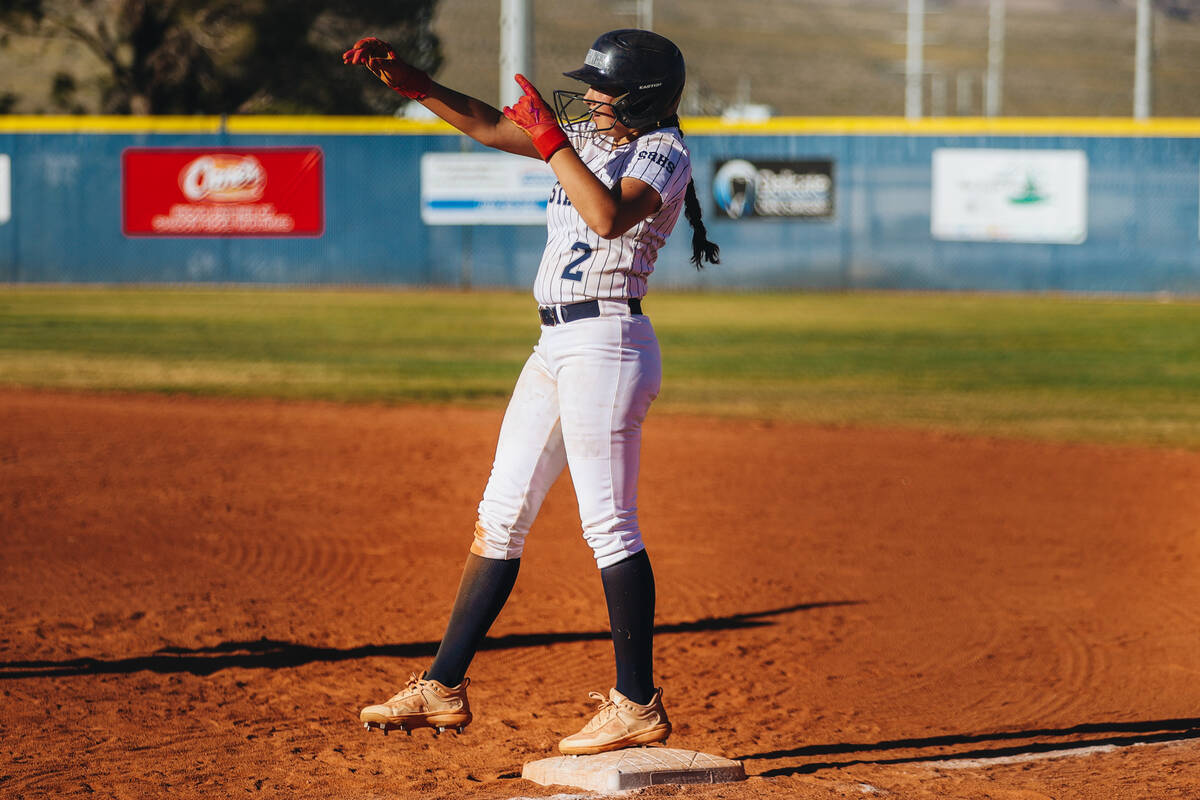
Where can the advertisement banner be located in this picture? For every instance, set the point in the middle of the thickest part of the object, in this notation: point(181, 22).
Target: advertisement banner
point(484, 189)
point(744, 188)
point(1033, 196)
point(263, 191)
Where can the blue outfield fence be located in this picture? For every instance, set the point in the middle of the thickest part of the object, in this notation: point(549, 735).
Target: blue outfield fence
point(1140, 196)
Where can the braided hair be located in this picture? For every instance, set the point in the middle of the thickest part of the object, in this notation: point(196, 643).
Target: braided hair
point(702, 249)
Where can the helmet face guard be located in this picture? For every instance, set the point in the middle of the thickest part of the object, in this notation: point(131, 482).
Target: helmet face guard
point(577, 114)
point(642, 71)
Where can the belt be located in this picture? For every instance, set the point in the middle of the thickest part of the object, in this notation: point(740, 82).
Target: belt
point(554, 315)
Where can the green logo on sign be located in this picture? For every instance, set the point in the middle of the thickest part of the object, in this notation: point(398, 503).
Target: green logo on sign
point(1028, 195)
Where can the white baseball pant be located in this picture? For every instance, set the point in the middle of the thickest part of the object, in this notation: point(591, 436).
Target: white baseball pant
point(579, 402)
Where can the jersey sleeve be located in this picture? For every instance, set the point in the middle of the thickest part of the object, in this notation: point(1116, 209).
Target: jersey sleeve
point(661, 161)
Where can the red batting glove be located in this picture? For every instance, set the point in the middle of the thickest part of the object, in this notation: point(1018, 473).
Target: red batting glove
point(532, 115)
point(379, 57)
point(368, 48)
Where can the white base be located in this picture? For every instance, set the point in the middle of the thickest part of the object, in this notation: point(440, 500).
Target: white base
point(633, 768)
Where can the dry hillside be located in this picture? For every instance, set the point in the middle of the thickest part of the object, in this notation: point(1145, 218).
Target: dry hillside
point(802, 57)
point(829, 57)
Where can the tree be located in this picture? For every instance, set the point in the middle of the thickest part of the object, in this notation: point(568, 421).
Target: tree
point(232, 56)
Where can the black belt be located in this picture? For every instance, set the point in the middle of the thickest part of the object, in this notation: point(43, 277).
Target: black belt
point(585, 310)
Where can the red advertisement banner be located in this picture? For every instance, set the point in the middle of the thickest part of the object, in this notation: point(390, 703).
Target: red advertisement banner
point(256, 191)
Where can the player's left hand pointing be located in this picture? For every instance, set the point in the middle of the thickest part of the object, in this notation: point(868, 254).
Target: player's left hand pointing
point(532, 114)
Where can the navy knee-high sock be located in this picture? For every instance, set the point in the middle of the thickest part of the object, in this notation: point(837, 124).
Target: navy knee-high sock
point(485, 586)
point(629, 590)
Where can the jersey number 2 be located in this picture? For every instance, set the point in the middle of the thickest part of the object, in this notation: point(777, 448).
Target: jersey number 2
point(573, 271)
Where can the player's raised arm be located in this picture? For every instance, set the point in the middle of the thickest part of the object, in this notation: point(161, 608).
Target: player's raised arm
point(482, 122)
point(608, 212)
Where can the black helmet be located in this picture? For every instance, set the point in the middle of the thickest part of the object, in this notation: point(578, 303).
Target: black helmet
point(643, 70)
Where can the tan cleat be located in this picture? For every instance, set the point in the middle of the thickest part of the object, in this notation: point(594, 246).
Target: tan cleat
point(619, 722)
point(422, 703)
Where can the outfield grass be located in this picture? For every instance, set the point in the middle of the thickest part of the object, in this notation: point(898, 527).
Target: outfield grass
point(1052, 367)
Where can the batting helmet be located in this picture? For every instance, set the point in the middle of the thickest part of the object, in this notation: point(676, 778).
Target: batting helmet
point(643, 70)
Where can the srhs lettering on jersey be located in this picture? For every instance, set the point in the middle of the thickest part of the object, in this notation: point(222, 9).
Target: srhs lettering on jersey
point(558, 197)
point(660, 159)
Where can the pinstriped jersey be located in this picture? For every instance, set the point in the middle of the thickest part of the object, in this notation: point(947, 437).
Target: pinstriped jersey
point(580, 265)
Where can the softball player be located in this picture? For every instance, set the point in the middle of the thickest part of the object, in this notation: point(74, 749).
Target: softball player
point(624, 177)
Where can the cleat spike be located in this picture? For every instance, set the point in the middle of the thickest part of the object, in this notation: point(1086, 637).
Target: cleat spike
point(384, 728)
point(367, 725)
point(460, 729)
point(408, 731)
point(441, 729)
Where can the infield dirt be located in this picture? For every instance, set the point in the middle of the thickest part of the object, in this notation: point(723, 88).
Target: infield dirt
point(197, 596)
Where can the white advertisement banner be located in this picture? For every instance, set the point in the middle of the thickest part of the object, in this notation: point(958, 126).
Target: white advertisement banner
point(484, 189)
point(1035, 196)
point(5, 188)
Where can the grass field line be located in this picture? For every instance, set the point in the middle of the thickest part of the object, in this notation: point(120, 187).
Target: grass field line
point(1068, 368)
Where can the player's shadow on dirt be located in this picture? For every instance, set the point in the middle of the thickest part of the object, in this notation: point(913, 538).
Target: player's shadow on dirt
point(275, 654)
point(1119, 734)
